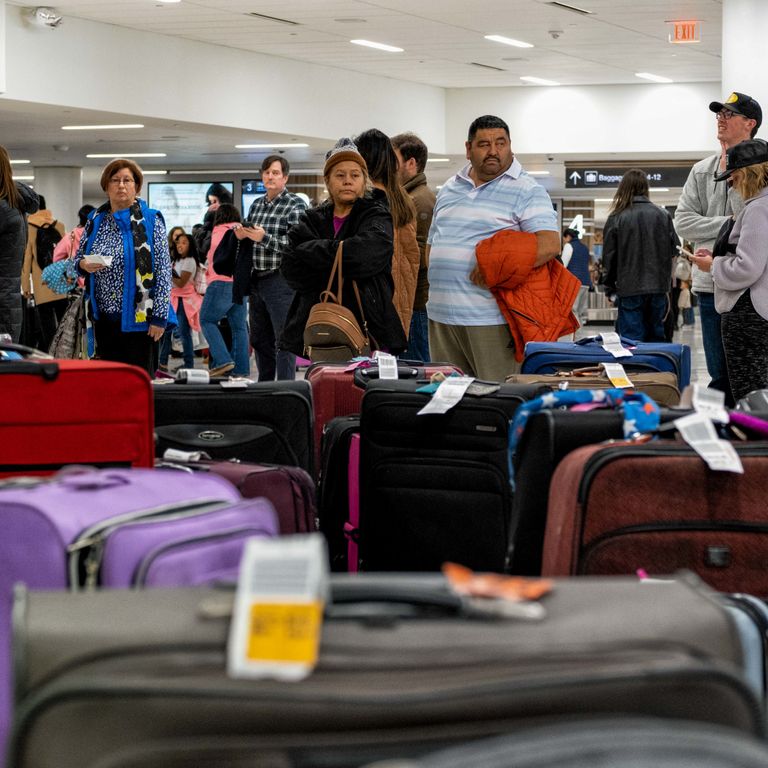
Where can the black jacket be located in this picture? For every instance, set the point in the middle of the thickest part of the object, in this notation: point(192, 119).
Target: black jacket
point(367, 258)
point(639, 245)
point(13, 241)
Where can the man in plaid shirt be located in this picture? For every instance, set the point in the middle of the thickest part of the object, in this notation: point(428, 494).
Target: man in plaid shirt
point(269, 220)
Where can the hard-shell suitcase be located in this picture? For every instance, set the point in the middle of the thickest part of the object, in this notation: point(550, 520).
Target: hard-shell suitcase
point(264, 423)
point(647, 357)
point(435, 487)
point(120, 528)
point(290, 489)
point(137, 678)
point(660, 387)
point(337, 389)
point(58, 412)
point(334, 487)
point(680, 514)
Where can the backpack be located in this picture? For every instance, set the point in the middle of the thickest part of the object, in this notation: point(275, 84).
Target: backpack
point(45, 241)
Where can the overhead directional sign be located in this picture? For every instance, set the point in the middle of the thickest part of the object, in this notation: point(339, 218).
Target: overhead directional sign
point(583, 176)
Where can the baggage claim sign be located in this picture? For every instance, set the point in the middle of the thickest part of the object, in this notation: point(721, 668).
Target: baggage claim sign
point(595, 176)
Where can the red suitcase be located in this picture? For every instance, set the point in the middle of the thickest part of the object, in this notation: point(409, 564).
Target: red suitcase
point(58, 412)
point(338, 391)
point(657, 507)
point(290, 489)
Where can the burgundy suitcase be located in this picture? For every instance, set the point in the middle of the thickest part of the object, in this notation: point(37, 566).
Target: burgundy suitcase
point(290, 489)
point(657, 507)
point(58, 412)
point(120, 528)
point(338, 391)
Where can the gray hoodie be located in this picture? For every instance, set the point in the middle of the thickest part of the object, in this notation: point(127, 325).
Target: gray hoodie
point(703, 208)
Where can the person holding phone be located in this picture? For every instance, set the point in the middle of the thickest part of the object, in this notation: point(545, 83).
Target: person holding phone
point(738, 264)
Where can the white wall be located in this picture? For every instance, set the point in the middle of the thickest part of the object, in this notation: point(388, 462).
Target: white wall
point(90, 65)
point(592, 120)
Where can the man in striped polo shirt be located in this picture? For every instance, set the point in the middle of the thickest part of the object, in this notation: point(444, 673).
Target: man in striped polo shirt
point(491, 193)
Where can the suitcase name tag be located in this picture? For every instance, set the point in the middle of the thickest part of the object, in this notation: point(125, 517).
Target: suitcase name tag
point(612, 345)
point(617, 375)
point(447, 395)
point(698, 431)
point(281, 594)
point(387, 365)
point(708, 402)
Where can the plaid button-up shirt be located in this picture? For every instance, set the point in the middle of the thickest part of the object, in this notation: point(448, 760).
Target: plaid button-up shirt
point(276, 216)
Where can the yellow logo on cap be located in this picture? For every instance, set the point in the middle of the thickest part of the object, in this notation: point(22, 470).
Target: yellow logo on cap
point(732, 98)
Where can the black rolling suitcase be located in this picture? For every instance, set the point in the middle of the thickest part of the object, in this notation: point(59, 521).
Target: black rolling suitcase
point(127, 678)
point(264, 423)
point(435, 487)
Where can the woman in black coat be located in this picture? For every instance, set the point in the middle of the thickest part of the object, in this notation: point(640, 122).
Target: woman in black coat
point(16, 200)
point(365, 227)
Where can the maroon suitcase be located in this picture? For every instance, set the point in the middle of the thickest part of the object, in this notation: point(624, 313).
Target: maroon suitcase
point(657, 507)
point(290, 489)
point(338, 391)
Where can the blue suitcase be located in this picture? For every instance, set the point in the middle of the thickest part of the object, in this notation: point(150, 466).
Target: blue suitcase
point(647, 357)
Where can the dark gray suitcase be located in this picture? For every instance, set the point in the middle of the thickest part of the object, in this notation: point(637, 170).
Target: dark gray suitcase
point(138, 678)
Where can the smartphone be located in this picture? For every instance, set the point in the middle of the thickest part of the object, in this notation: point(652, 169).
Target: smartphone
point(688, 255)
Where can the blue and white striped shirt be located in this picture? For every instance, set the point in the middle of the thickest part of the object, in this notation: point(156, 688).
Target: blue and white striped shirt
point(464, 215)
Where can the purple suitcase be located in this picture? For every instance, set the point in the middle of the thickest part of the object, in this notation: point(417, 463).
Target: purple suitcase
point(119, 528)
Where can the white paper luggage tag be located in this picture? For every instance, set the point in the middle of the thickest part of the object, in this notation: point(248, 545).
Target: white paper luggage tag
point(706, 401)
point(698, 431)
point(281, 594)
point(617, 375)
point(448, 394)
point(387, 365)
point(612, 345)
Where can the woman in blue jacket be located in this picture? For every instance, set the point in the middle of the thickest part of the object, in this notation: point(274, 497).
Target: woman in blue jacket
point(124, 249)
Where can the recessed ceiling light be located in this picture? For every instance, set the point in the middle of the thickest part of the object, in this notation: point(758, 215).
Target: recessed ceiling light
point(20, 162)
point(378, 46)
point(538, 80)
point(269, 146)
point(438, 159)
point(653, 78)
point(567, 7)
point(23, 178)
point(170, 1)
point(115, 127)
point(127, 154)
point(538, 173)
point(508, 41)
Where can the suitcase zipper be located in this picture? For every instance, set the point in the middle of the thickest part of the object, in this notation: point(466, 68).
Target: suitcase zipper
point(564, 353)
point(88, 547)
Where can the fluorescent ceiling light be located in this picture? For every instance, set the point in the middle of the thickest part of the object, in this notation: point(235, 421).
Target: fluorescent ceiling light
point(170, 1)
point(269, 146)
point(216, 171)
point(653, 78)
point(23, 178)
point(438, 159)
point(115, 127)
point(603, 199)
point(20, 162)
point(538, 173)
point(153, 173)
point(508, 41)
point(378, 46)
point(659, 189)
point(127, 154)
point(538, 80)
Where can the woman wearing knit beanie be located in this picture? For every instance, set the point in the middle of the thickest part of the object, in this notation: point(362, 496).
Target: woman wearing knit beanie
point(364, 226)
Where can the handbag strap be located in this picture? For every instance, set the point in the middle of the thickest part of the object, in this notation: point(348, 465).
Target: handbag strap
point(328, 294)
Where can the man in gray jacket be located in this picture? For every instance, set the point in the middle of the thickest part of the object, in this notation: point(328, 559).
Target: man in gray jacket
point(703, 209)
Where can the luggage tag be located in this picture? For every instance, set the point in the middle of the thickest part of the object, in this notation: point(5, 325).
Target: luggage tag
point(387, 365)
point(174, 454)
point(611, 343)
point(447, 395)
point(192, 376)
point(617, 375)
point(698, 431)
point(706, 401)
point(281, 594)
point(236, 382)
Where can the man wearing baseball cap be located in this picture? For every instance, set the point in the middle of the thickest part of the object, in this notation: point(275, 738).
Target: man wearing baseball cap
point(703, 208)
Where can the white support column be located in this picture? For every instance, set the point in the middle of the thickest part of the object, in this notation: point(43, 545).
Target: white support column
point(745, 55)
point(63, 192)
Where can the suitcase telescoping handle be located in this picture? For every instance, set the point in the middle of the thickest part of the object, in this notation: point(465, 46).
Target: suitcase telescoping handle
point(48, 369)
point(595, 339)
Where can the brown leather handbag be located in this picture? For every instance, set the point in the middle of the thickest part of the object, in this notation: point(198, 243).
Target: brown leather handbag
point(332, 332)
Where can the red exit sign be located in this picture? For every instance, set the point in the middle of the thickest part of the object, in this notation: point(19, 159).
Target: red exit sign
point(685, 32)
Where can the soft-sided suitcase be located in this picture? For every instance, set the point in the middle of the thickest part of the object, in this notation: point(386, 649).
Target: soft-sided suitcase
point(435, 487)
point(264, 423)
point(120, 528)
point(750, 615)
point(604, 743)
point(58, 412)
point(333, 487)
point(647, 357)
point(657, 507)
point(337, 389)
point(290, 489)
point(660, 387)
point(137, 678)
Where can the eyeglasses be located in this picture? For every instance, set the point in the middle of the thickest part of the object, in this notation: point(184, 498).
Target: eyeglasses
point(726, 114)
point(127, 182)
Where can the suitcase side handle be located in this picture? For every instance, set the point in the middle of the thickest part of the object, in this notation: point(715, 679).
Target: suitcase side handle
point(48, 370)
